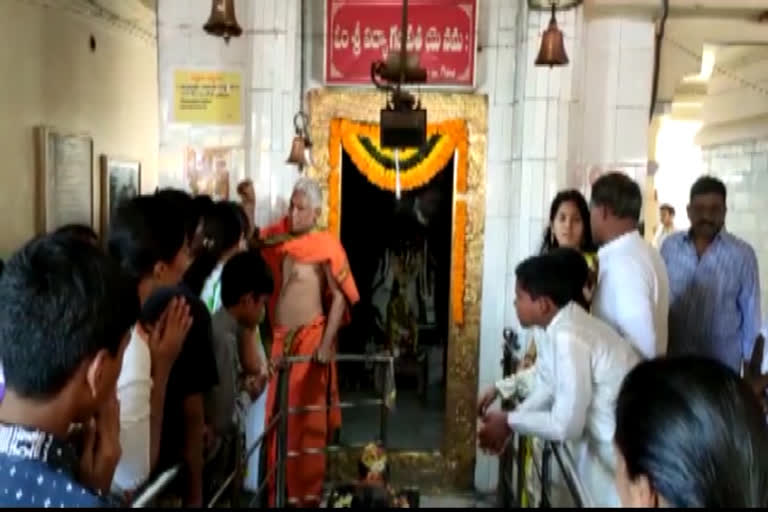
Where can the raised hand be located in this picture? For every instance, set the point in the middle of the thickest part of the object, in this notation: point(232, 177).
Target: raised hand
point(167, 335)
point(101, 447)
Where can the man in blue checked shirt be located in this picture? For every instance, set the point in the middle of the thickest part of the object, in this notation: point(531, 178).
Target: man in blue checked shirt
point(714, 283)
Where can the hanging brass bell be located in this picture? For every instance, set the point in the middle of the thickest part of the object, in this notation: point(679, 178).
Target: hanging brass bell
point(301, 147)
point(552, 51)
point(299, 152)
point(223, 22)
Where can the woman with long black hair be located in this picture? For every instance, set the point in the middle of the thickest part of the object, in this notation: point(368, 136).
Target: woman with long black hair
point(690, 433)
point(569, 225)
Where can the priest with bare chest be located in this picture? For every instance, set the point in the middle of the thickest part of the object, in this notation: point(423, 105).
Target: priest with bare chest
point(311, 301)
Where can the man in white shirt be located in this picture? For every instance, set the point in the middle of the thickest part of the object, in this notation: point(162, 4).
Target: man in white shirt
point(589, 362)
point(667, 226)
point(632, 287)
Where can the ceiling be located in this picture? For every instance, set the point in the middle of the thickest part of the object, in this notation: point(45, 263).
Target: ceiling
point(139, 12)
point(688, 39)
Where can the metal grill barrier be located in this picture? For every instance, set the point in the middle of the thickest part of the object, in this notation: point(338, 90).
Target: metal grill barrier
point(518, 460)
point(278, 426)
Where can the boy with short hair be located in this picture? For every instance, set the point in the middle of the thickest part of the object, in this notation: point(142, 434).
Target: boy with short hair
point(66, 311)
point(590, 360)
point(246, 286)
point(168, 365)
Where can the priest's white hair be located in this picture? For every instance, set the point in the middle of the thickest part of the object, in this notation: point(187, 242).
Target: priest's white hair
point(311, 189)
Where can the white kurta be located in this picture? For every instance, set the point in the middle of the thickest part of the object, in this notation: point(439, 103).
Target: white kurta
point(632, 293)
point(134, 392)
point(576, 402)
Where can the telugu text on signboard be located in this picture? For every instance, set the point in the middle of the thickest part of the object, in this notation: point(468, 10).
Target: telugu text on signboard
point(207, 97)
point(442, 32)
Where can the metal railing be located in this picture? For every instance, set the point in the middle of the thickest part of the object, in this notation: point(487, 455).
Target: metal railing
point(155, 488)
point(514, 460)
point(278, 426)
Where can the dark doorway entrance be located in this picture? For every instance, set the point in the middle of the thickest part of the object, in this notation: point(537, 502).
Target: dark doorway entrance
point(400, 255)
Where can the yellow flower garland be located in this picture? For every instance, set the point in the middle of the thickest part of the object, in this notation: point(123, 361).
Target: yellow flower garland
point(454, 138)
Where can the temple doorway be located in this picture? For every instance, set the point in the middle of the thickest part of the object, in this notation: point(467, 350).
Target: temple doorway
point(347, 121)
point(400, 254)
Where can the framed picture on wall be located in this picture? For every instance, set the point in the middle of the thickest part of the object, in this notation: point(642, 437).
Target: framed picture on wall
point(120, 180)
point(209, 170)
point(65, 179)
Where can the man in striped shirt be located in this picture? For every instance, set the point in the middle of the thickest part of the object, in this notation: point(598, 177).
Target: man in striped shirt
point(714, 283)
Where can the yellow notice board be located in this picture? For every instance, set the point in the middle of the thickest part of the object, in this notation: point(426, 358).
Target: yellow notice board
point(207, 97)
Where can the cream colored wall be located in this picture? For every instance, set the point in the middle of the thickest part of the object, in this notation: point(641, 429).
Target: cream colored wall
point(51, 77)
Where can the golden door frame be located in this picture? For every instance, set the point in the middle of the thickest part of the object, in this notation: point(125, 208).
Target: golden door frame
point(452, 467)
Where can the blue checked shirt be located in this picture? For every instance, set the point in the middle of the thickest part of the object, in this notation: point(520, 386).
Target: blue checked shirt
point(714, 301)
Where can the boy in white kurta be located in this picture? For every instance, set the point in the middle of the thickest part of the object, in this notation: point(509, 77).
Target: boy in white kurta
point(589, 362)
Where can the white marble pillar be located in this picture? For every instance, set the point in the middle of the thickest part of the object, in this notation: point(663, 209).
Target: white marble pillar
point(616, 94)
point(274, 95)
point(498, 42)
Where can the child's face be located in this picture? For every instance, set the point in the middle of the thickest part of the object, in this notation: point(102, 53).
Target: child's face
point(250, 310)
point(528, 308)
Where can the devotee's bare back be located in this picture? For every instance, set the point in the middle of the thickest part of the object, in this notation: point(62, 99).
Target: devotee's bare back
point(301, 296)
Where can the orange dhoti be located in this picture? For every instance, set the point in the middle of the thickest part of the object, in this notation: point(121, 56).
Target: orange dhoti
point(309, 385)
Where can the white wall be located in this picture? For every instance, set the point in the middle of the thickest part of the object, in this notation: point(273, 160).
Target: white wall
point(267, 55)
point(743, 167)
point(618, 71)
point(51, 77)
point(183, 45)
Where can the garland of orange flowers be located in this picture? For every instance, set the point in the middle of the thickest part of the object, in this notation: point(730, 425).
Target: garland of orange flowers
point(358, 139)
point(453, 138)
point(334, 178)
point(457, 262)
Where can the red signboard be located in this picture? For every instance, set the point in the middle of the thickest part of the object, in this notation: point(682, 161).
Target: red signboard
point(359, 32)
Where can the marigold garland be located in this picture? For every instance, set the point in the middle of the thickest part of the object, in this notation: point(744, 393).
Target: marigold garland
point(454, 138)
point(458, 261)
point(334, 178)
point(357, 138)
